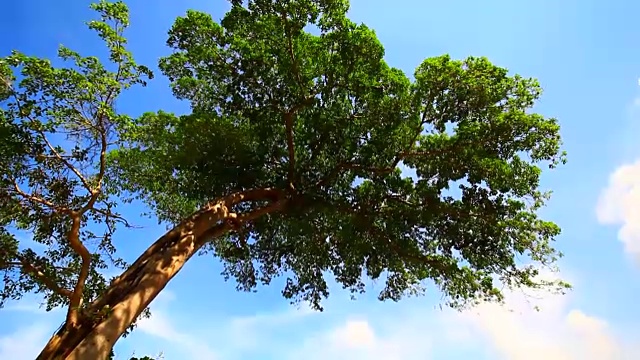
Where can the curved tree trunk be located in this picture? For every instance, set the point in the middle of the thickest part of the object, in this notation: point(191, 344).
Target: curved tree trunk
point(108, 317)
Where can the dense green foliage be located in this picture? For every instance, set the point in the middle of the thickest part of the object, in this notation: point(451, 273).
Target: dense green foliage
point(375, 174)
point(435, 177)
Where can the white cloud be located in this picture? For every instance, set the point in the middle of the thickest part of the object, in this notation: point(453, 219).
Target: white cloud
point(368, 330)
point(515, 332)
point(619, 204)
point(161, 327)
point(26, 342)
point(410, 330)
point(557, 332)
point(358, 339)
point(354, 334)
point(20, 344)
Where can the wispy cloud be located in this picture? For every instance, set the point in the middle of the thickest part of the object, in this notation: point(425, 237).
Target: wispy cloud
point(160, 326)
point(619, 204)
point(364, 329)
point(636, 100)
point(619, 200)
point(24, 343)
point(407, 330)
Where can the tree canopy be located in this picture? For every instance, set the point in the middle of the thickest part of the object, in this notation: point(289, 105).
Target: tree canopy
point(308, 154)
point(435, 177)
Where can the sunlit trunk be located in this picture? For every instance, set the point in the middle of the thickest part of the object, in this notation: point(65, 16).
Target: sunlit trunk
point(132, 292)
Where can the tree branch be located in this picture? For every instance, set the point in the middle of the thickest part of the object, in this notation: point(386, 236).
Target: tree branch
point(109, 214)
point(294, 62)
point(75, 302)
point(74, 234)
point(42, 277)
point(56, 154)
point(233, 221)
point(288, 122)
point(64, 161)
point(379, 171)
point(38, 199)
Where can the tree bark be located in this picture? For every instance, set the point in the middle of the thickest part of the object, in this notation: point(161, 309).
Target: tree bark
point(108, 317)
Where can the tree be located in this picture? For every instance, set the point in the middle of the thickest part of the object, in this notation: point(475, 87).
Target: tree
point(306, 155)
point(56, 127)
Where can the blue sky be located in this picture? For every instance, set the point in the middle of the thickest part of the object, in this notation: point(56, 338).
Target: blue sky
point(586, 55)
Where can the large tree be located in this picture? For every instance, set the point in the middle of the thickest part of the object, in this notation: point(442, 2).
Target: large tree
point(305, 155)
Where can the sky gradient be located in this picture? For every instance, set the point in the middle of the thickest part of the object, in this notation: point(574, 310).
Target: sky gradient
point(587, 57)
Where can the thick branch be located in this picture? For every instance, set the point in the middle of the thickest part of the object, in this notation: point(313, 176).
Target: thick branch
point(252, 215)
point(144, 280)
point(212, 212)
point(76, 298)
point(238, 220)
point(288, 117)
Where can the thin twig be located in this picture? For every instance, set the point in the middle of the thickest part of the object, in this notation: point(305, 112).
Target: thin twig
point(38, 274)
